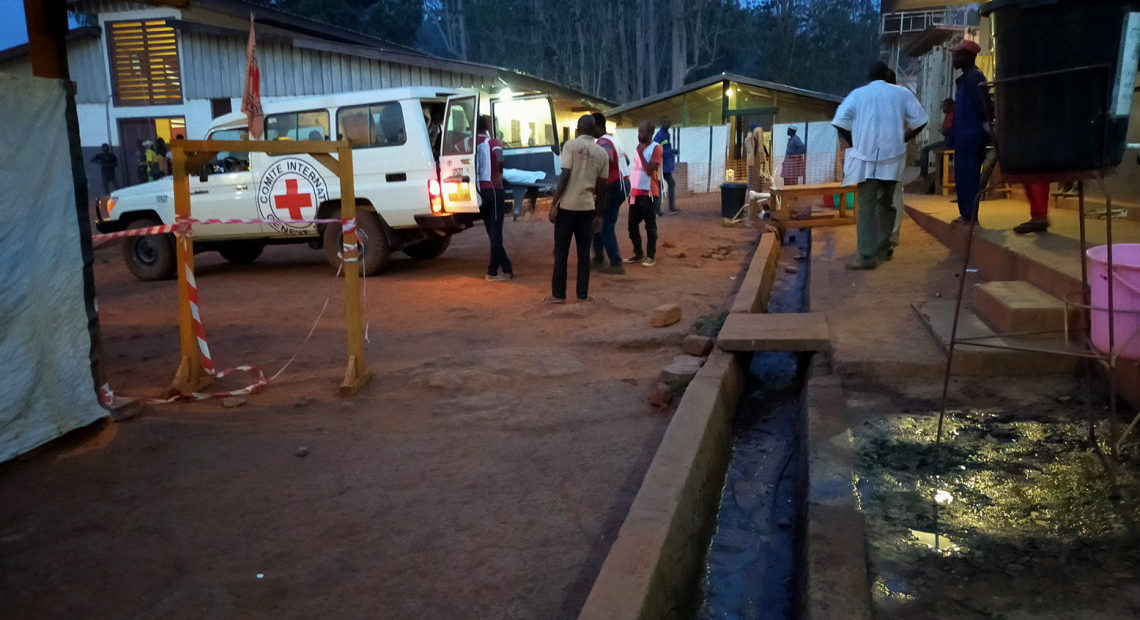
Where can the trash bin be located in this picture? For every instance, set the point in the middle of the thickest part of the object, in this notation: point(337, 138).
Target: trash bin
point(1056, 123)
point(732, 198)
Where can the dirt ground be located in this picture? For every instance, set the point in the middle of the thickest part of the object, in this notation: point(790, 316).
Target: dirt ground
point(483, 472)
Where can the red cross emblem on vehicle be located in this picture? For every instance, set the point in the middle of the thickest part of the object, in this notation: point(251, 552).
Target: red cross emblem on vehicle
point(291, 200)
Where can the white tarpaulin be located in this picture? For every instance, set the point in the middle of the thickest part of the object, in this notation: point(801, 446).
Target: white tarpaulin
point(822, 142)
point(47, 388)
point(704, 149)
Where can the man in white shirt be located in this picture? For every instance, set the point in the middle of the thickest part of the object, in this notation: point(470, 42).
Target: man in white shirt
point(876, 121)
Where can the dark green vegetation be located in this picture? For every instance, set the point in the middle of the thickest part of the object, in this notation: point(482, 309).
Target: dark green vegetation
point(709, 324)
point(1021, 517)
point(628, 49)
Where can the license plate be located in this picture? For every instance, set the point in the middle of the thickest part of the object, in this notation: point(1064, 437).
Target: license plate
point(458, 192)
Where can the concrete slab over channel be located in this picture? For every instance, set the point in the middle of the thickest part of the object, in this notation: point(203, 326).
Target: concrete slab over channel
point(799, 332)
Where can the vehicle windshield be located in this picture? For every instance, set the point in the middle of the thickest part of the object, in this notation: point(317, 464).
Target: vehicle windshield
point(229, 161)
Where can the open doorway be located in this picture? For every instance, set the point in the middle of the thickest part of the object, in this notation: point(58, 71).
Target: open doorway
point(135, 131)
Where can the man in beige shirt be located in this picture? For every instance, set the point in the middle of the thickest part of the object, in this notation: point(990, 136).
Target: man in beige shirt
point(576, 209)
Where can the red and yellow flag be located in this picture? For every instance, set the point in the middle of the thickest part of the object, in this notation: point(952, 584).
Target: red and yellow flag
point(251, 96)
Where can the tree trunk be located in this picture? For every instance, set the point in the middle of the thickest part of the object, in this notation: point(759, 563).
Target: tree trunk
point(679, 57)
point(641, 23)
point(621, 62)
point(461, 30)
point(654, 65)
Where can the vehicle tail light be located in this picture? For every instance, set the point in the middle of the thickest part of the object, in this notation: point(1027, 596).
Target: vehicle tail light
point(436, 196)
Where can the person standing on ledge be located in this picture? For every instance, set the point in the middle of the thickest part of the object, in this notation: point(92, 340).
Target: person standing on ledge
point(969, 135)
point(876, 121)
point(668, 162)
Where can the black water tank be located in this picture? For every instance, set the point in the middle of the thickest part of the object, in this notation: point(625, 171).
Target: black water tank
point(1055, 124)
point(732, 197)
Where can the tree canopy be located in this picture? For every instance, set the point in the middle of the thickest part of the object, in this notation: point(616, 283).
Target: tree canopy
point(628, 49)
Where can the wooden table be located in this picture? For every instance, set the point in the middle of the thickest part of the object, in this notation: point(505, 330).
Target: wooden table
point(947, 172)
point(819, 216)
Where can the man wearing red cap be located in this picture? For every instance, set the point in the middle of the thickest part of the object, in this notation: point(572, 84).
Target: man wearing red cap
point(970, 133)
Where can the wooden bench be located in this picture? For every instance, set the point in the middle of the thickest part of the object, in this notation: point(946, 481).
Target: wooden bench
point(823, 216)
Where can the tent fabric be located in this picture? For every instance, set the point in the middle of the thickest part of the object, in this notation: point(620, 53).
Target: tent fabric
point(45, 344)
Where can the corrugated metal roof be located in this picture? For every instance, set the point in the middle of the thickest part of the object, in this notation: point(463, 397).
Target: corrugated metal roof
point(730, 77)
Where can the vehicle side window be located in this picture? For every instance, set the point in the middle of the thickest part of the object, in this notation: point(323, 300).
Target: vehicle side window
point(312, 125)
point(375, 125)
point(229, 161)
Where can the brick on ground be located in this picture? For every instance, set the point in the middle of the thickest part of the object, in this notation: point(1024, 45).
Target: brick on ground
point(665, 315)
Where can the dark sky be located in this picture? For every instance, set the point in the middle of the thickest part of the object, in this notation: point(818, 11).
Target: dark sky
point(13, 31)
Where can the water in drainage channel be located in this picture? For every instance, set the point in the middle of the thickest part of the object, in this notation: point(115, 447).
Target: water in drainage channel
point(750, 567)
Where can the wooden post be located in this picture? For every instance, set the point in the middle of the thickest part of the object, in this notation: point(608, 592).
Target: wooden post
point(356, 375)
point(191, 377)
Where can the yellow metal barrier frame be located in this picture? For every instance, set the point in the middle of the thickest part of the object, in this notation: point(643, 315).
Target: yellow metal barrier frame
point(192, 155)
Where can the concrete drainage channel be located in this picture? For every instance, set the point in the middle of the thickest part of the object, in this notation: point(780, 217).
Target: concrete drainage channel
point(734, 444)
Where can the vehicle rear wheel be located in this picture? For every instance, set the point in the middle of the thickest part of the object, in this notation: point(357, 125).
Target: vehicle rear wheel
point(373, 243)
point(241, 252)
point(428, 248)
point(150, 257)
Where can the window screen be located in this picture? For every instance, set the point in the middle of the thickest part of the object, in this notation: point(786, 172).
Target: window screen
point(144, 62)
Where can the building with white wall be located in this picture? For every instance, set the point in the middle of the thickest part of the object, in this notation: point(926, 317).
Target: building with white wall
point(145, 70)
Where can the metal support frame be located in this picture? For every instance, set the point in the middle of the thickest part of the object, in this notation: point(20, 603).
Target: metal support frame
point(192, 155)
point(1106, 360)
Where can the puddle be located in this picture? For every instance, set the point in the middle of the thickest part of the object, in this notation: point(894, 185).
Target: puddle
point(1030, 521)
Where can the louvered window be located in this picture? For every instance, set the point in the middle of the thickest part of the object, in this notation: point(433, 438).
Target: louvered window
point(144, 62)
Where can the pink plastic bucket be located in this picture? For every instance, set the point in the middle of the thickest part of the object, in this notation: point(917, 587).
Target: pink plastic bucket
point(1125, 297)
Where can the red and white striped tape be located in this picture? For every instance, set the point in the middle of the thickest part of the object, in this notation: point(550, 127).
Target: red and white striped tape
point(348, 250)
point(140, 232)
point(181, 226)
point(185, 225)
point(199, 330)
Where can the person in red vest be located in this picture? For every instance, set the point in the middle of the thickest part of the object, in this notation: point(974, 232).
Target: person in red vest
point(492, 201)
point(646, 188)
point(615, 195)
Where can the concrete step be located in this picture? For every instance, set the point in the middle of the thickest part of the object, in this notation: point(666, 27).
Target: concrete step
point(1023, 355)
point(1016, 306)
point(794, 332)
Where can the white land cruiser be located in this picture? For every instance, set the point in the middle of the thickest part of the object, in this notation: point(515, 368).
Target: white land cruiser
point(406, 200)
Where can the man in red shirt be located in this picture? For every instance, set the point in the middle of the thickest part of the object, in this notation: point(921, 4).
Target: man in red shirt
point(615, 195)
point(644, 179)
point(493, 207)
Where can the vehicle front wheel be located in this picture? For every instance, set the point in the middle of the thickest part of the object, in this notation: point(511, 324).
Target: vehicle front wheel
point(241, 252)
point(372, 244)
point(150, 257)
point(428, 248)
